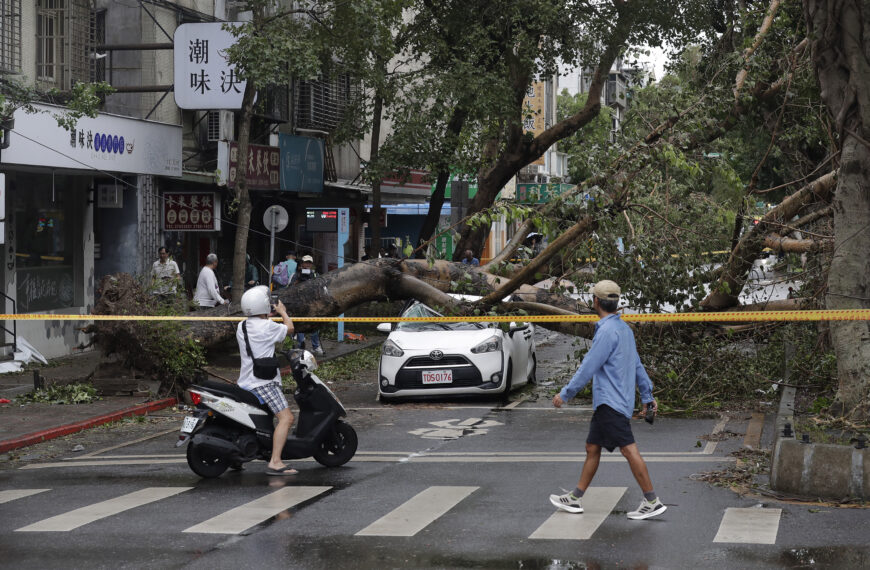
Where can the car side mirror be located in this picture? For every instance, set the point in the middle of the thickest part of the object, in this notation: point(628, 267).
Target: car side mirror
point(385, 328)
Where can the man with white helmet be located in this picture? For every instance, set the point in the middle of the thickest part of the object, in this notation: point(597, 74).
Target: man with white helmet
point(257, 336)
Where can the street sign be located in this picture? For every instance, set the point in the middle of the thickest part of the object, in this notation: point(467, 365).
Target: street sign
point(276, 216)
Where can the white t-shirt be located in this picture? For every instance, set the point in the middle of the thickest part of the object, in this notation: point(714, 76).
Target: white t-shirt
point(262, 334)
point(164, 276)
point(207, 292)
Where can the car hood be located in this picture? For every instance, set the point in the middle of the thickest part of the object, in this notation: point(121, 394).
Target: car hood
point(447, 341)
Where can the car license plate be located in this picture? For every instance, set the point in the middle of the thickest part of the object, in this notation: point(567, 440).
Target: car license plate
point(189, 424)
point(438, 377)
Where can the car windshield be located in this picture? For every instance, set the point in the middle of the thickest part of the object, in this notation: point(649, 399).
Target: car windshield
point(421, 310)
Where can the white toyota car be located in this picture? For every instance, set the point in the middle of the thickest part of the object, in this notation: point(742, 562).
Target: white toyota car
point(446, 359)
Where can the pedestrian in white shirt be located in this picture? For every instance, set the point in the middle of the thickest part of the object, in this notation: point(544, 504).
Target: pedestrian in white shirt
point(257, 336)
point(207, 292)
point(164, 275)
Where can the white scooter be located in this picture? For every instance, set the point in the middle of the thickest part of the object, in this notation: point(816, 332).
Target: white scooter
point(230, 426)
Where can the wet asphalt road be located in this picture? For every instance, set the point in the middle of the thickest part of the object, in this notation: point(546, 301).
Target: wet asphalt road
point(501, 465)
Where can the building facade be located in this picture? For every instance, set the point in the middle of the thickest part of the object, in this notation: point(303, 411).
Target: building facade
point(101, 199)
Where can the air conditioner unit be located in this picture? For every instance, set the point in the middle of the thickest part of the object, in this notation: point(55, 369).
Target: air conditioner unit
point(219, 126)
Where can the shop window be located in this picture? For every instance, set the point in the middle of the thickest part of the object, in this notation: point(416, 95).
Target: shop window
point(46, 243)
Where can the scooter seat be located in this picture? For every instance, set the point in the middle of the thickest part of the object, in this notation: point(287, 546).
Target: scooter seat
point(234, 392)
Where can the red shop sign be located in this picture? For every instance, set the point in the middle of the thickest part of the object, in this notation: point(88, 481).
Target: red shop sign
point(264, 167)
point(189, 211)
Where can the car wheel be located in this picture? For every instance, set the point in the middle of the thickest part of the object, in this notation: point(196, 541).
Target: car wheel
point(532, 379)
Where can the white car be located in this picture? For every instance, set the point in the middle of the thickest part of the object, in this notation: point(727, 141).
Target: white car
point(445, 359)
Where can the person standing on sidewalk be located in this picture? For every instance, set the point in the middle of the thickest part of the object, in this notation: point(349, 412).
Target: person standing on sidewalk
point(306, 272)
point(165, 275)
point(207, 292)
point(614, 367)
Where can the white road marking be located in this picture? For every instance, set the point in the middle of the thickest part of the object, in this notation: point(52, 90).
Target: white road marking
point(711, 445)
point(240, 519)
point(514, 404)
point(13, 494)
point(415, 457)
point(597, 504)
point(97, 511)
point(749, 526)
point(418, 512)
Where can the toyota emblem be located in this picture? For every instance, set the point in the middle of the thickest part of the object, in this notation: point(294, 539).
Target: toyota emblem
point(436, 355)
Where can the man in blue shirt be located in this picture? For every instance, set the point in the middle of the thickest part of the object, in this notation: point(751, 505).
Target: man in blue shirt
point(613, 365)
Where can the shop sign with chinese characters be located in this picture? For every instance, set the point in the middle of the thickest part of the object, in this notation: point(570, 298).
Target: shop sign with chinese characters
point(105, 142)
point(204, 78)
point(539, 193)
point(190, 211)
point(264, 167)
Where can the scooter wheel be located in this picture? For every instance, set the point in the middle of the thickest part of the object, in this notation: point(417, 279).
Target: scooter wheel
point(339, 447)
point(204, 463)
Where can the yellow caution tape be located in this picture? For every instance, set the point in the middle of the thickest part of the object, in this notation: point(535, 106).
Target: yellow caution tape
point(746, 316)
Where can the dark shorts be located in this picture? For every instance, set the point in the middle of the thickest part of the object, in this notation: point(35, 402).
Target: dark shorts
point(609, 429)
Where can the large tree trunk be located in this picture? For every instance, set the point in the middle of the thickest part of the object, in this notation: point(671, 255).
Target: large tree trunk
point(375, 216)
point(839, 32)
point(242, 195)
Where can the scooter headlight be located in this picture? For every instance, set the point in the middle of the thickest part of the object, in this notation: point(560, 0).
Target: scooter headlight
point(492, 344)
point(392, 349)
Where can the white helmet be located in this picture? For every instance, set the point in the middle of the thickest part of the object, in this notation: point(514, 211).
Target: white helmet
point(256, 301)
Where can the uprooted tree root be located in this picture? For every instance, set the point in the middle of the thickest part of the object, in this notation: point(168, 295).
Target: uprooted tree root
point(161, 349)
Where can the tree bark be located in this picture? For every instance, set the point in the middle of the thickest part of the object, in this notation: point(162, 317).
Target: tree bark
point(839, 31)
point(375, 216)
point(244, 209)
point(436, 201)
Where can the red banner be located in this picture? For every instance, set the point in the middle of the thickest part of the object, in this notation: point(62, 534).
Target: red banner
point(189, 211)
point(264, 167)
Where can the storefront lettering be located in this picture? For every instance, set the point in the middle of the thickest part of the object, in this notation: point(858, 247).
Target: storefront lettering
point(42, 289)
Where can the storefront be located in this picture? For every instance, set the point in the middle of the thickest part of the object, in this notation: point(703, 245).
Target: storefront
point(290, 175)
point(54, 183)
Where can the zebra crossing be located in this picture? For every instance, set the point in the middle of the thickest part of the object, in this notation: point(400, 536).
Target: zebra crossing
point(738, 525)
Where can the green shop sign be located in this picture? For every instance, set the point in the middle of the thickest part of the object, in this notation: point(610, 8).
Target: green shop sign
point(540, 193)
point(444, 245)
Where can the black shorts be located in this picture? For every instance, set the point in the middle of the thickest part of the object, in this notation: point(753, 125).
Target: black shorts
point(609, 429)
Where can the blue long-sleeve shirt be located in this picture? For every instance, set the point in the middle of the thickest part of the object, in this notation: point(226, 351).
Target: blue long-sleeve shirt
point(614, 366)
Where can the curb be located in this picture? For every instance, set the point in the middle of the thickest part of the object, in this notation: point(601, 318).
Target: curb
point(51, 433)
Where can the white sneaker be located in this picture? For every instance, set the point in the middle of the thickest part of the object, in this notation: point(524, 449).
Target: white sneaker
point(648, 509)
point(567, 503)
point(318, 350)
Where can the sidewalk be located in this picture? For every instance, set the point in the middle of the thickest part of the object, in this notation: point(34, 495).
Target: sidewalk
point(24, 425)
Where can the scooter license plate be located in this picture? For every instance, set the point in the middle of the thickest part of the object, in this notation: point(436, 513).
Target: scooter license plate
point(189, 424)
point(437, 377)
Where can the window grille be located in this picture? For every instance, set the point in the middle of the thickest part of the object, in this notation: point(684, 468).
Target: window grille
point(10, 36)
point(321, 103)
point(213, 126)
point(64, 42)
